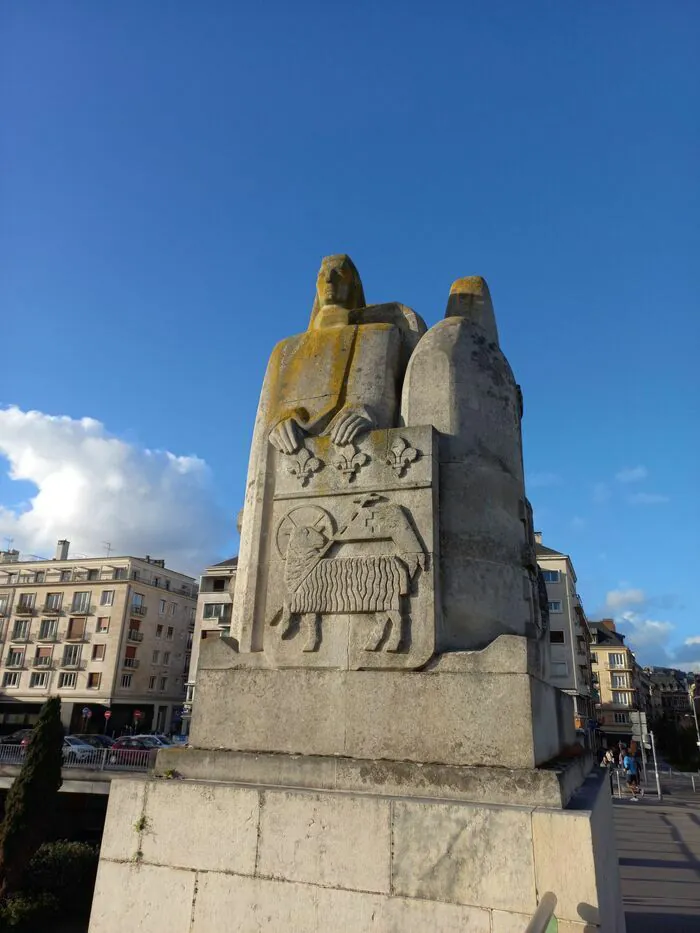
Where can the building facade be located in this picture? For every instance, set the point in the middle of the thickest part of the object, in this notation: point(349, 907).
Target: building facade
point(106, 635)
point(212, 619)
point(670, 695)
point(617, 681)
point(569, 635)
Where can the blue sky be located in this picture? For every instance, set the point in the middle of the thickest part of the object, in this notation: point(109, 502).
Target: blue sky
point(172, 174)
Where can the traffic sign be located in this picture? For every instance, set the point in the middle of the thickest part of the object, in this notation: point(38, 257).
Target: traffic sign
point(87, 712)
point(108, 713)
point(138, 714)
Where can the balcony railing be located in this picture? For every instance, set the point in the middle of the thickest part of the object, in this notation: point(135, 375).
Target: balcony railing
point(45, 663)
point(69, 665)
point(19, 636)
point(135, 635)
point(13, 665)
point(75, 635)
point(139, 610)
point(51, 610)
point(131, 663)
point(50, 637)
point(22, 610)
point(84, 609)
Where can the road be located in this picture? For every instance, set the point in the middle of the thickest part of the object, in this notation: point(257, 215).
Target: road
point(659, 850)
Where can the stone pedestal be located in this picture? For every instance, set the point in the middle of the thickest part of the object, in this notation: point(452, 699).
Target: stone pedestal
point(194, 856)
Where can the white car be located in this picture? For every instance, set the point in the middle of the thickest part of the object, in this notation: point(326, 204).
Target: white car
point(75, 750)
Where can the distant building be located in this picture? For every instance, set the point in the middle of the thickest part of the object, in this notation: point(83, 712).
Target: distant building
point(670, 694)
point(105, 634)
point(569, 635)
point(212, 619)
point(617, 680)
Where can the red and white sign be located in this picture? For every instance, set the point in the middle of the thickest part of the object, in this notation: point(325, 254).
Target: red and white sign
point(138, 714)
point(108, 713)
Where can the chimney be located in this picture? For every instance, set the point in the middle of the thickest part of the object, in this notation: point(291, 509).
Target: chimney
point(62, 550)
point(538, 537)
point(609, 624)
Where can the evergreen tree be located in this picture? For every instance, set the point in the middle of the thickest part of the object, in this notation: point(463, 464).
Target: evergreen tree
point(32, 798)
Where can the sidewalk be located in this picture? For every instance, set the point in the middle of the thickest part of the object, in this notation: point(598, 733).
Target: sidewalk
point(658, 845)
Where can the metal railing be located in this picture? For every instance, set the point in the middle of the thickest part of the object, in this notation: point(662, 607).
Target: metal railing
point(94, 759)
point(135, 635)
point(138, 610)
point(543, 920)
point(131, 663)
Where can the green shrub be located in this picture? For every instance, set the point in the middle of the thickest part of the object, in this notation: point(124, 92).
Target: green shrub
point(64, 871)
point(24, 914)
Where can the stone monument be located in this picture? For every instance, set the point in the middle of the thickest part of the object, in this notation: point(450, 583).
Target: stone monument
point(374, 745)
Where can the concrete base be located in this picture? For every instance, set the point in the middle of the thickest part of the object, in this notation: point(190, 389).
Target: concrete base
point(182, 856)
point(468, 708)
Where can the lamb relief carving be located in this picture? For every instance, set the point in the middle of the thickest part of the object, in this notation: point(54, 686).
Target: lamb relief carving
point(320, 583)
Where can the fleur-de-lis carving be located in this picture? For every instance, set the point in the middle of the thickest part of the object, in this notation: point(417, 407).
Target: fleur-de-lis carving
point(350, 461)
point(304, 465)
point(401, 456)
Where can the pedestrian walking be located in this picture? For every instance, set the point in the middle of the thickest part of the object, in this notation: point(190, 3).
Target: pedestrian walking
point(632, 771)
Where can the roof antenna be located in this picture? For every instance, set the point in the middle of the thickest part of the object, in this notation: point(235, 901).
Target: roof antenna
point(108, 545)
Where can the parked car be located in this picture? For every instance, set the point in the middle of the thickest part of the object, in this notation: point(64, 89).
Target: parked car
point(156, 740)
point(130, 751)
point(15, 738)
point(97, 741)
point(74, 751)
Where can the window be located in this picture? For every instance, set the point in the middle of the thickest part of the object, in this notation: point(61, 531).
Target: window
point(163, 683)
point(172, 609)
point(621, 699)
point(166, 657)
point(555, 606)
point(93, 575)
point(161, 607)
point(136, 575)
point(76, 630)
point(616, 659)
point(40, 576)
point(53, 602)
point(15, 657)
point(159, 631)
point(130, 659)
point(71, 656)
point(218, 585)
point(93, 681)
point(26, 602)
point(42, 658)
point(48, 629)
point(152, 682)
point(621, 718)
point(126, 680)
point(98, 652)
point(81, 603)
point(594, 657)
point(120, 573)
point(167, 584)
point(20, 630)
point(556, 638)
point(65, 576)
point(551, 576)
point(67, 681)
point(620, 680)
point(214, 610)
point(3, 605)
point(559, 669)
point(11, 679)
point(169, 633)
point(107, 598)
point(38, 679)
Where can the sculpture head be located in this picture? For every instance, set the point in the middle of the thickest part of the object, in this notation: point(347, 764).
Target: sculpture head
point(470, 299)
point(338, 285)
point(306, 541)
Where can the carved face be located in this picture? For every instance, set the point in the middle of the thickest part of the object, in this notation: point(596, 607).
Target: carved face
point(335, 284)
point(306, 539)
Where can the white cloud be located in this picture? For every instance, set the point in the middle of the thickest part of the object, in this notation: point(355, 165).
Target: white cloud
point(92, 487)
point(632, 474)
point(538, 480)
point(647, 498)
point(616, 600)
point(695, 640)
point(600, 493)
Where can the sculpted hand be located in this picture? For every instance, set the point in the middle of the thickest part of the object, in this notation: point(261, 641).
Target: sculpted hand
point(348, 423)
point(286, 436)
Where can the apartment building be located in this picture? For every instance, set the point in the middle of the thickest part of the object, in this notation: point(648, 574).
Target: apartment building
point(569, 635)
point(108, 635)
point(212, 619)
point(617, 680)
point(670, 694)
